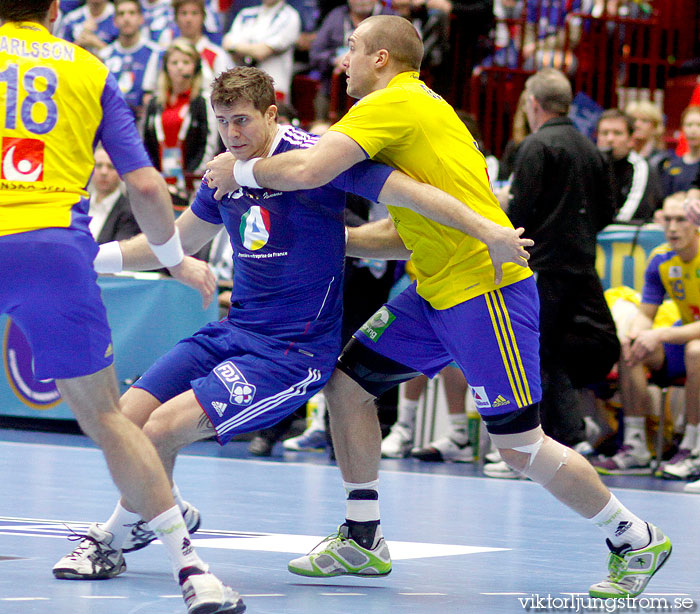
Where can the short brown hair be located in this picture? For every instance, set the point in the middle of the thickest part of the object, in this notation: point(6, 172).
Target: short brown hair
point(117, 3)
point(243, 83)
point(177, 5)
point(395, 34)
point(26, 10)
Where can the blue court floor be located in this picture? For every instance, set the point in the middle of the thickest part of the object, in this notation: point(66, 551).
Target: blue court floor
point(460, 543)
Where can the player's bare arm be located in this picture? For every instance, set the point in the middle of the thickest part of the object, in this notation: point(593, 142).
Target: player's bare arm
point(692, 206)
point(378, 240)
point(136, 255)
point(301, 169)
point(505, 244)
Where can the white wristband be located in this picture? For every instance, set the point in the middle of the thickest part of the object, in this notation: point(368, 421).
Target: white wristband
point(346, 235)
point(243, 173)
point(169, 253)
point(109, 258)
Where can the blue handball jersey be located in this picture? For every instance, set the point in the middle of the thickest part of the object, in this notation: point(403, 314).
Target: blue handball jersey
point(289, 248)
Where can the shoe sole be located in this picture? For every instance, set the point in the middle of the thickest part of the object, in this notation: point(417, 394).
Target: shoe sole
point(213, 608)
point(141, 546)
point(639, 471)
point(311, 574)
point(610, 596)
point(69, 574)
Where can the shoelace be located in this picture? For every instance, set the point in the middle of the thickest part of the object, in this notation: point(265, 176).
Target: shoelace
point(141, 530)
point(617, 566)
point(337, 536)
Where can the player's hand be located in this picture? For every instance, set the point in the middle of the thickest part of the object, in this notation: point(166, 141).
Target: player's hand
point(219, 175)
point(196, 274)
point(692, 209)
point(508, 246)
point(645, 343)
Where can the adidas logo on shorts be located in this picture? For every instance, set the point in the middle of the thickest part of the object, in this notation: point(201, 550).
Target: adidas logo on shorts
point(500, 401)
point(219, 407)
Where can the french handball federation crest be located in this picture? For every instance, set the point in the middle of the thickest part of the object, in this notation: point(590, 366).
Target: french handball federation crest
point(242, 392)
point(22, 159)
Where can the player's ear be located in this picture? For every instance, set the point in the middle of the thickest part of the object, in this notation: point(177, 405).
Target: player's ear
point(53, 11)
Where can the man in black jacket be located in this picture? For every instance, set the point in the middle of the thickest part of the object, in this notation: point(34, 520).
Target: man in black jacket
point(562, 195)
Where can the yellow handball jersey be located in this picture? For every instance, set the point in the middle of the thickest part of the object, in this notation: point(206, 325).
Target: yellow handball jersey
point(50, 110)
point(667, 274)
point(408, 126)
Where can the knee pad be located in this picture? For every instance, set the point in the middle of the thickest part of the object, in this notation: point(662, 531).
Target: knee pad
point(546, 456)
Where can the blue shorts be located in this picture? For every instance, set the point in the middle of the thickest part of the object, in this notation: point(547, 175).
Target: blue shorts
point(493, 338)
point(49, 288)
point(244, 381)
point(674, 362)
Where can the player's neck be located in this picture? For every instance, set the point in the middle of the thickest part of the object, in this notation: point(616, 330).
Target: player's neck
point(689, 253)
point(129, 40)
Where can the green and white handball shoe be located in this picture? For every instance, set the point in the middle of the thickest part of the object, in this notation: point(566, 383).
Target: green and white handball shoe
point(338, 555)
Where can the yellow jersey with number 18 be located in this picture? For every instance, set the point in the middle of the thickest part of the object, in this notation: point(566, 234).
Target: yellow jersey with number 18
point(408, 126)
point(50, 111)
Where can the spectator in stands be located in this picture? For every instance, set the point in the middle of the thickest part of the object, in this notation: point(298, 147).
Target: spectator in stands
point(521, 128)
point(158, 15)
point(133, 59)
point(545, 40)
point(264, 36)
point(668, 352)
point(331, 44)
point(638, 191)
point(647, 136)
point(561, 195)
point(91, 26)
point(678, 172)
point(189, 24)
point(180, 130)
point(112, 219)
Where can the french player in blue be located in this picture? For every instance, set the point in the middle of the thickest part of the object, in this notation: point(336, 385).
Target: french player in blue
point(279, 344)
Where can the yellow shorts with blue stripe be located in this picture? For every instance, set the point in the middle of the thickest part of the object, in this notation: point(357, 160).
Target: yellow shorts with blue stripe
point(493, 338)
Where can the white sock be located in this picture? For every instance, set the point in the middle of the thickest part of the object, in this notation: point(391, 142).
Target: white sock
point(690, 437)
point(317, 405)
point(458, 426)
point(407, 413)
point(172, 532)
point(362, 510)
point(621, 526)
point(635, 432)
point(120, 524)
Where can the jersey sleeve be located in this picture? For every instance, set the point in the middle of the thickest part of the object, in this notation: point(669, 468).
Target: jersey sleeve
point(118, 133)
point(653, 291)
point(377, 121)
point(365, 179)
point(205, 206)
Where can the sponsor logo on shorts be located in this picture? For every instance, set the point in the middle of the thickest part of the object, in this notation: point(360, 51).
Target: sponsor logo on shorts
point(219, 407)
point(500, 401)
point(109, 351)
point(19, 368)
point(481, 399)
point(242, 392)
point(378, 323)
point(22, 159)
